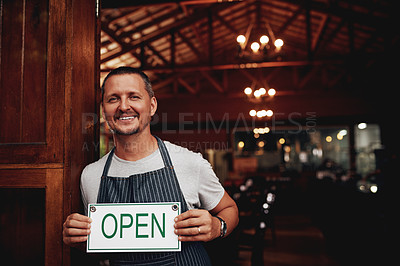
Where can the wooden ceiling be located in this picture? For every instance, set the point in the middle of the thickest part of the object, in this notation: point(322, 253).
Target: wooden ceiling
point(189, 48)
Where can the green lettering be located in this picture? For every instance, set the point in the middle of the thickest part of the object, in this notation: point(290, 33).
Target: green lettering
point(154, 220)
point(122, 222)
point(115, 223)
point(140, 225)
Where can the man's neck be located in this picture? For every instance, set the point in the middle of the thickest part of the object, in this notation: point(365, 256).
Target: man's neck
point(134, 147)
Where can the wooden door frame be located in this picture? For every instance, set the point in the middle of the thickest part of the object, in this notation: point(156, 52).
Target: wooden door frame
point(72, 89)
point(51, 180)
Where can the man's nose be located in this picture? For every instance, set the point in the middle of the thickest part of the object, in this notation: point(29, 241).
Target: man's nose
point(124, 106)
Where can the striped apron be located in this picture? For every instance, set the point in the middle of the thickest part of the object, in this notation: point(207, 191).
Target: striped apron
point(155, 186)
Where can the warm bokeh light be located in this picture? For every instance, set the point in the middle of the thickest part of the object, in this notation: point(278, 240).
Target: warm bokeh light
point(271, 92)
point(282, 141)
point(269, 113)
point(264, 39)
point(255, 46)
point(262, 91)
point(241, 39)
point(343, 132)
point(253, 112)
point(248, 91)
point(362, 126)
point(328, 139)
point(240, 144)
point(278, 43)
point(286, 148)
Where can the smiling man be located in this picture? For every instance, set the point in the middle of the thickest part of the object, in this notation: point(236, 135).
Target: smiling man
point(142, 168)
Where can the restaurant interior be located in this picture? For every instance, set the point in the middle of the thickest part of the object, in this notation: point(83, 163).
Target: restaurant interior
point(287, 100)
point(291, 102)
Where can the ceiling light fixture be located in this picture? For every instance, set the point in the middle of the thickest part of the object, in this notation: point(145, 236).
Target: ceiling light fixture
point(259, 41)
point(260, 97)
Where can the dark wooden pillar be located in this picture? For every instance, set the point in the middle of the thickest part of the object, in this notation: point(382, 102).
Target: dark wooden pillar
point(49, 80)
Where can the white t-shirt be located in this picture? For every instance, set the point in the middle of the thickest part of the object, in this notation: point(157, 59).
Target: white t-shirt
point(197, 180)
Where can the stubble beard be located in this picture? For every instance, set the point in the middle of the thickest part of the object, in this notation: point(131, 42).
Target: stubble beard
point(127, 133)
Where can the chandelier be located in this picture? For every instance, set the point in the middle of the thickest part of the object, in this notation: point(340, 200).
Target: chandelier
point(258, 47)
point(261, 97)
point(259, 41)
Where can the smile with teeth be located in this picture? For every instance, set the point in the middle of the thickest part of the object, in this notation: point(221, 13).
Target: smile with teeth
point(127, 117)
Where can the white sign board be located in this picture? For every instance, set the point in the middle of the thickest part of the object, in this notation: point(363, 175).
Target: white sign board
point(133, 227)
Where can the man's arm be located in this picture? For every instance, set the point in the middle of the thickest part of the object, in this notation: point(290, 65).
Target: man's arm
point(201, 225)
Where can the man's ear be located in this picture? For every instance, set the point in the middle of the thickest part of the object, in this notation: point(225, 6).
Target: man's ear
point(102, 110)
point(153, 105)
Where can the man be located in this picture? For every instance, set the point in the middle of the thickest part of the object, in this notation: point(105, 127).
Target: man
point(154, 171)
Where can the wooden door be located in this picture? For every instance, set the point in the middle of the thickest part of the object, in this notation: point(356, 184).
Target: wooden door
point(48, 113)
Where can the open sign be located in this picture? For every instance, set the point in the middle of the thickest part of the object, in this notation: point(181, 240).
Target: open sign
point(133, 227)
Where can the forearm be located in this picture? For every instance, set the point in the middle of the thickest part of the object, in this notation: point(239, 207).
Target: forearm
point(228, 211)
point(202, 225)
point(231, 217)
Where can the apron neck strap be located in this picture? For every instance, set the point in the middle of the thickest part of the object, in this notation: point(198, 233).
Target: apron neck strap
point(163, 151)
point(108, 163)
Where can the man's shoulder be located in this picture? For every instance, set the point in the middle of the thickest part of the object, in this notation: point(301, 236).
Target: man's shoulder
point(184, 158)
point(179, 151)
point(95, 166)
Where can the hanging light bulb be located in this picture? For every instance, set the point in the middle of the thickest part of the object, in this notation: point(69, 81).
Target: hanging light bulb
point(241, 39)
point(271, 92)
point(248, 91)
point(278, 44)
point(255, 46)
point(253, 112)
point(264, 39)
point(257, 94)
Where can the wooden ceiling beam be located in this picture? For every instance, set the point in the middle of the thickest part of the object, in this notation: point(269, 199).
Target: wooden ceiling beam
point(332, 8)
point(226, 24)
point(151, 23)
point(105, 4)
point(196, 68)
point(213, 81)
point(311, 73)
point(320, 32)
point(189, 44)
point(185, 22)
point(155, 52)
point(298, 12)
point(187, 86)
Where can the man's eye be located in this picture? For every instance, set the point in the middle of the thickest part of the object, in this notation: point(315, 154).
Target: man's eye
point(112, 99)
point(134, 97)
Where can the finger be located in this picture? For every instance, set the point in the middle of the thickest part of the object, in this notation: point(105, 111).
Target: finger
point(79, 217)
point(192, 231)
point(190, 222)
point(72, 223)
point(70, 232)
point(189, 214)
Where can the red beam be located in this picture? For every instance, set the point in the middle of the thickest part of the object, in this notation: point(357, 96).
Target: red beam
point(238, 66)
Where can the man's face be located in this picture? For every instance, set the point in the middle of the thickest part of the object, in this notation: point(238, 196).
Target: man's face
point(127, 106)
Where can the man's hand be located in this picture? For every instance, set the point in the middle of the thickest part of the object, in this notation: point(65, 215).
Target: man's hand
point(76, 229)
point(197, 225)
